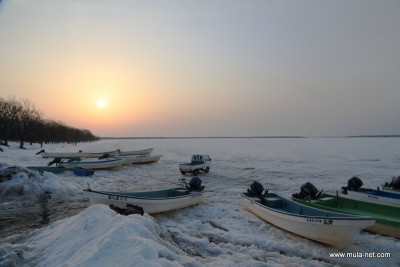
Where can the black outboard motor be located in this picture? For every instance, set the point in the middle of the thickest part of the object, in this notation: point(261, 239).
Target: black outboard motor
point(307, 190)
point(256, 189)
point(395, 183)
point(194, 184)
point(38, 153)
point(55, 160)
point(354, 184)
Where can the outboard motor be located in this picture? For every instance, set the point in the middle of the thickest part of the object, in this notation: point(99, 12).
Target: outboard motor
point(395, 183)
point(194, 184)
point(354, 184)
point(105, 156)
point(55, 160)
point(307, 190)
point(256, 189)
point(41, 151)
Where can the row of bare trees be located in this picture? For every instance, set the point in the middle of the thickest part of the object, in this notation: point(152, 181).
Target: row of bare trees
point(21, 121)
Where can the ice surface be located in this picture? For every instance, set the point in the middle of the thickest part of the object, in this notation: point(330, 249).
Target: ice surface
point(218, 232)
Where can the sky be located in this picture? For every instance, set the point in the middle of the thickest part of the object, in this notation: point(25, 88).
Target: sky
point(206, 68)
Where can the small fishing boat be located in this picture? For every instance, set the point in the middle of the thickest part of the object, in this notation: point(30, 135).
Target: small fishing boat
point(62, 155)
point(354, 190)
point(82, 171)
point(151, 201)
point(80, 154)
point(102, 154)
point(331, 228)
point(141, 159)
point(135, 152)
point(95, 165)
point(42, 169)
point(387, 217)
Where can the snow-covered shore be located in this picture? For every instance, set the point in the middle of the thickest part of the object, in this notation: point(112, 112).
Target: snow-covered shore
point(216, 233)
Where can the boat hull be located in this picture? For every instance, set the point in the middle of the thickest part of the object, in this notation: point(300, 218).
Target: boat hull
point(374, 196)
point(135, 152)
point(94, 165)
point(141, 159)
point(387, 217)
point(149, 204)
point(334, 231)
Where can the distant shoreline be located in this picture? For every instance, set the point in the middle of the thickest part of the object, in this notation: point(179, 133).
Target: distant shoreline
point(254, 137)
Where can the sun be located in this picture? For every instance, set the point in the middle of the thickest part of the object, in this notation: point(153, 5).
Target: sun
point(101, 103)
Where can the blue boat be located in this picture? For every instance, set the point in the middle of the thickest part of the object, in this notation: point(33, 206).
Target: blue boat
point(82, 171)
point(355, 191)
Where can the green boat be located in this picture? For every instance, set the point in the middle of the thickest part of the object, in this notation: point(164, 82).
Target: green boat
point(387, 217)
point(42, 169)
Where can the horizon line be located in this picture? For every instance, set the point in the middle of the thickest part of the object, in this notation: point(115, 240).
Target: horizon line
point(242, 137)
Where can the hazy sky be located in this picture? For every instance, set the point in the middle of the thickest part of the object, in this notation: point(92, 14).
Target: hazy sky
point(206, 68)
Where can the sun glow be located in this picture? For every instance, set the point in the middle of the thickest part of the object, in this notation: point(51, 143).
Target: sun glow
point(101, 103)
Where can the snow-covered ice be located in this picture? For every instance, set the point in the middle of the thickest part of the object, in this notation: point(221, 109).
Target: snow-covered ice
point(219, 232)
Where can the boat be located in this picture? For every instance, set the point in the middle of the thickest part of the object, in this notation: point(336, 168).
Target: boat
point(387, 217)
point(135, 152)
point(102, 154)
point(95, 165)
point(80, 154)
point(52, 169)
point(82, 171)
point(62, 155)
point(354, 190)
point(151, 201)
point(141, 159)
point(373, 196)
point(330, 228)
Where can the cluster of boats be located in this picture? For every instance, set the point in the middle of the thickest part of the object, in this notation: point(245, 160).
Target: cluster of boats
point(330, 218)
point(83, 163)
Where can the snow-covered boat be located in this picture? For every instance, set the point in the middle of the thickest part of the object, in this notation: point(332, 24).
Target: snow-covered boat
point(135, 152)
point(336, 229)
point(151, 201)
point(141, 159)
point(95, 165)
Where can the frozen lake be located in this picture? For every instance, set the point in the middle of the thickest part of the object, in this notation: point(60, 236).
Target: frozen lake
point(190, 236)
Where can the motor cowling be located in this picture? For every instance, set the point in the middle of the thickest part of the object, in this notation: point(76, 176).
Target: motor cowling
point(195, 184)
point(307, 190)
point(354, 184)
point(394, 183)
point(256, 189)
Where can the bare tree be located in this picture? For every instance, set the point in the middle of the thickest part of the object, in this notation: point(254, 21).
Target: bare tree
point(9, 110)
point(27, 117)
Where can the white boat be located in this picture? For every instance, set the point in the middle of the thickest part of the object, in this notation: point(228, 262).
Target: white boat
point(335, 229)
point(95, 165)
point(151, 201)
point(102, 154)
point(373, 196)
point(62, 155)
point(141, 159)
point(80, 154)
point(135, 152)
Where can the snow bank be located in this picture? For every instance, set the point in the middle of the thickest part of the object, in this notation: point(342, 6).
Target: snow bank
point(100, 237)
point(20, 182)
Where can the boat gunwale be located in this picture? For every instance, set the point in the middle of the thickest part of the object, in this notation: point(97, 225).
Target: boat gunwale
point(118, 194)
